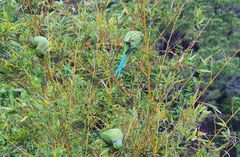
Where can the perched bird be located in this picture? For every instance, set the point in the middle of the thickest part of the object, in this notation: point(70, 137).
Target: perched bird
point(40, 44)
point(113, 138)
point(132, 42)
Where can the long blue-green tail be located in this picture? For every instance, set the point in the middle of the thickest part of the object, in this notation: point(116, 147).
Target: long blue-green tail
point(122, 64)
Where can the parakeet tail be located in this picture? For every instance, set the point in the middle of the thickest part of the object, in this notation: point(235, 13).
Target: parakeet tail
point(122, 64)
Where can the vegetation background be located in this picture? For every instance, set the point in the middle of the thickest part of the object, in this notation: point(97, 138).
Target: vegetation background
point(179, 94)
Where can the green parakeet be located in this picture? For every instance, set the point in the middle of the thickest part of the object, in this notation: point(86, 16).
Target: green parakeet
point(132, 42)
point(113, 138)
point(40, 44)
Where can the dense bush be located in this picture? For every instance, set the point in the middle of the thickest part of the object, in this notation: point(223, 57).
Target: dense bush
point(184, 73)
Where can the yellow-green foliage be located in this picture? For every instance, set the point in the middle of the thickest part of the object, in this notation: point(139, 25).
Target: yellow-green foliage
point(55, 106)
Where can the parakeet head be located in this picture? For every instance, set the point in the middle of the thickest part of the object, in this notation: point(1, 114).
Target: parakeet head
point(133, 40)
point(118, 144)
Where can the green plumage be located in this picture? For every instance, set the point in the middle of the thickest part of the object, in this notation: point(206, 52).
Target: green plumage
point(40, 44)
point(132, 42)
point(112, 137)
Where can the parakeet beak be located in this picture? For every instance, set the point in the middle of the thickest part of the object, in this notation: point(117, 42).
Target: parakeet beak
point(127, 43)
